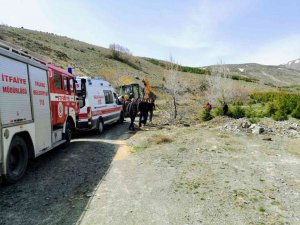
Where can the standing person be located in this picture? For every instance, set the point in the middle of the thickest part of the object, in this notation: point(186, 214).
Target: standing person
point(132, 110)
point(225, 108)
point(127, 102)
point(143, 108)
point(208, 107)
point(151, 105)
point(122, 101)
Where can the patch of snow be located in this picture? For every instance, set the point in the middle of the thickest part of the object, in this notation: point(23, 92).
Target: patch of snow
point(290, 63)
point(241, 69)
point(297, 61)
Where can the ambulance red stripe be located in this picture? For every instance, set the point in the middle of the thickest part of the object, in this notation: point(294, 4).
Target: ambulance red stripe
point(101, 112)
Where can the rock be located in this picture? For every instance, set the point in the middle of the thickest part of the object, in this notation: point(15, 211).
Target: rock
point(186, 125)
point(293, 126)
point(258, 130)
point(245, 124)
point(292, 133)
point(267, 139)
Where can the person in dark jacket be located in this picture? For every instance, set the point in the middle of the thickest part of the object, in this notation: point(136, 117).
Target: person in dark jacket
point(151, 105)
point(132, 110)
point(225, 108)
point(143, 109)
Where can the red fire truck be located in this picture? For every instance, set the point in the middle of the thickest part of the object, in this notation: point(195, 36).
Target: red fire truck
point(38, 110)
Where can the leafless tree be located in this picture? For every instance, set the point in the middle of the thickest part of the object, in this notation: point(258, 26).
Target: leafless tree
point(221, 88)
point(172, 84)
point(118, 51)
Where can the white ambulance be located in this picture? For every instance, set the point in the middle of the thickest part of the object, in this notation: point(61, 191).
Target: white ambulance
point(38, 109)
point(100, 105)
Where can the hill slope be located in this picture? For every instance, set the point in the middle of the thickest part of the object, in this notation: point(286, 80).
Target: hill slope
point(294, 64)
point(86, 59)
point(270, 75)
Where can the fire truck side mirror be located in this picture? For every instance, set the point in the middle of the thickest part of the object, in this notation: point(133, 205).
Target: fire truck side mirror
point(83, 87)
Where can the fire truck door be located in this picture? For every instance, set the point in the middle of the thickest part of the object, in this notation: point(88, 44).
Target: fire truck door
point(41, 107)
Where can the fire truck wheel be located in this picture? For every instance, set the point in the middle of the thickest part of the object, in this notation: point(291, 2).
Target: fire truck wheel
point(100, 126)
point(68, 134)
point(17, 159)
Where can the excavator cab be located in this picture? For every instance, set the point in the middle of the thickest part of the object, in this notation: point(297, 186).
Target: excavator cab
point(130, 91)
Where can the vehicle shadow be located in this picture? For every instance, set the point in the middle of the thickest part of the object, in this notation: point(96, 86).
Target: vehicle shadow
point(57, 185)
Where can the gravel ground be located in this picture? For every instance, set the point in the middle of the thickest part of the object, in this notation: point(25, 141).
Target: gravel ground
point(161, 175)
point(58, 185)
point(200, 175)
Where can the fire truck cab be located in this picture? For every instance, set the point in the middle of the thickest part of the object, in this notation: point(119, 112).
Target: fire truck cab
point(38, 110)
point(100, 105)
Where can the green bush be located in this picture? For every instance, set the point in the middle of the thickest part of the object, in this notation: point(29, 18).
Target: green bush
point(270, 109)
point(279, 104)
point(217, 111)
point(239, 102)
point(205, 115)
point(254, 120)
point(255, 112)
point(236, 112)
point(296, 111)
point(280, 115)
point(247, 79)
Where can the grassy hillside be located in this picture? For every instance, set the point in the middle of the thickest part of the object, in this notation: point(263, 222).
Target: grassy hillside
point(278, 76)
point(86, 59)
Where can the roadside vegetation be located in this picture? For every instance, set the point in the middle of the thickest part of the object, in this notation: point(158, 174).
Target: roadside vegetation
point(277, 105)
point(187, 69)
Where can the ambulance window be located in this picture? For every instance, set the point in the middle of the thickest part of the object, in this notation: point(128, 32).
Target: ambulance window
point(66, 84)
point(108, 97)
point(57, 81)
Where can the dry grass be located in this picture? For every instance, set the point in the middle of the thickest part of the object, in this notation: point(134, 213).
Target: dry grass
point(292, 146)
point(161, 138)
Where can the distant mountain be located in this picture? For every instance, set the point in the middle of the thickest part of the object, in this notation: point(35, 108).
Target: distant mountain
point(271, 75)
point(294, 64)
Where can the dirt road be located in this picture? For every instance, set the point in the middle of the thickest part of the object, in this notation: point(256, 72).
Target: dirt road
point(58, 185)
point(201, 175)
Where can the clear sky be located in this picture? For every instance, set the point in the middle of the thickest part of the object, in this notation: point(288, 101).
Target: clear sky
point(195, 32)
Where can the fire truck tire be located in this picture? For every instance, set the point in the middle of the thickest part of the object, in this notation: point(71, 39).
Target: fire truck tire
point(100, 126)
point(17, 159)
point(121, 118)
point(68, 134)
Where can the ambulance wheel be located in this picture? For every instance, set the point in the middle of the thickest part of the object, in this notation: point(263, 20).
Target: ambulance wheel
point(100, 126)
point(17, 159)
point(68, 134)
point(121, 119)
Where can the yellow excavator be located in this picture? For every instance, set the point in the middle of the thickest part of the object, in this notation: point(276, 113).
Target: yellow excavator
point(134, 90)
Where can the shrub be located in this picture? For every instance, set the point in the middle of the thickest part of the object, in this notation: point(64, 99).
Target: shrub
point(236, 112)
point(239, 102)
point(247, 79)
point(255, 112)
point(280, 115)
point(279, 104)
point(296, 111)
point(217, 111)
point(205, 115)
point(254, 120)
point(270, 109)
point(159, 139)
